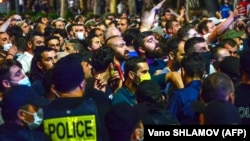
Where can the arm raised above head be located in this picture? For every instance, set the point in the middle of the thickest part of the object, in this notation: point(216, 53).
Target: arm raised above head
point(148, 18)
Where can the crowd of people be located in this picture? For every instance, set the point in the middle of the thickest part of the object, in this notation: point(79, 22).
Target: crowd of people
point(105, 77)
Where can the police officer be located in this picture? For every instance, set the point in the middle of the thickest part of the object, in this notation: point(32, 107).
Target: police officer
point(22, 113)
point(70, 116)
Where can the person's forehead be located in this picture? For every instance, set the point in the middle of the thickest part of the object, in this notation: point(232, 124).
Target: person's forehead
point(181, 45)
point(222, 50)
point(14, 69)
point(124, 21)
point(148, 37)
point(59, 22)
point(142, 65)
point(48, 53)
point(53, 40)
point(201, 44)
point(95, 39)
point(78, 27)
point(228, 46)
point(37, 37)
point(98, 31)
point(4, 35)
point(116, 39)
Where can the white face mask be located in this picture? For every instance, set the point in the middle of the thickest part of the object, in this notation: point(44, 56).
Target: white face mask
point(6, 47)
point(38, 119)
point(240, 47)
point(24, 81)
point(80, 35)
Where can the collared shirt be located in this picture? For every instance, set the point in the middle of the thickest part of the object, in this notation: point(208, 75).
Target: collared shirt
point(25, 59)
point(181, 100)
point(124, 95)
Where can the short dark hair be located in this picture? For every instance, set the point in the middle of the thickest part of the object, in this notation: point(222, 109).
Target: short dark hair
point(102, 58)
point(189, 44)
point(172, 45)
point(59, 31)
point(203, 26)
point(129, 35)
point(139, 42)
point(216, 86)
point(51, 38)
point(228, 41)
point(194, 64)
point(183, 31)
point(35, 72)
point(5, 70)
point(149, 91)
point(131, 65)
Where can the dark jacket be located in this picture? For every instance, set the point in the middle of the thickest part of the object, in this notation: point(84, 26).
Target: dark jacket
point(15, 132)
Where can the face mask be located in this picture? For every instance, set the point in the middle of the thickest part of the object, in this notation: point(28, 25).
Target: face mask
point(80, 35)
point(24, 81)
point(145, 77)
point(38, 119)
point(240, 47)
point(207, 56)
point(6, 47)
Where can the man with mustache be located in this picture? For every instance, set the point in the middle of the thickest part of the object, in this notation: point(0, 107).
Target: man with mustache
point(147, 46)
point(121, 51)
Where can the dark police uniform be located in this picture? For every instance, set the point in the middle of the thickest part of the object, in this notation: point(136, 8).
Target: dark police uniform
point(69, 119)
point(15, 132)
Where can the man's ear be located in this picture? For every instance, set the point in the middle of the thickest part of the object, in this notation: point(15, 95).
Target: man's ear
point(112, 66)
point(204, 31)
point(20, 115)
point(170, 30)
point(171, 55)
point(6, 84)
point(29, 45)
point(231, 98)
point(182, 71)
point(39, 65)
point(89, 48)
point(131, 75)
point(141, 50)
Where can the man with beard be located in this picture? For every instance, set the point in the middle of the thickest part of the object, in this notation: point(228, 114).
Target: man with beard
point(199, 44)
point(147, 46)
point(121, 52)
point(136, 70)
point(175, 52)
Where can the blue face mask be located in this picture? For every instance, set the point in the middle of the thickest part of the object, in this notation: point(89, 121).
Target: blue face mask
point(6, 47)
point(38, 119)
point(24, 81)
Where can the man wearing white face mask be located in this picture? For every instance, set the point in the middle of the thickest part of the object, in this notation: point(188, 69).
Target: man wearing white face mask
point(79, 31)
point(11, 74)
point(22, 112)
point(6, 47)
